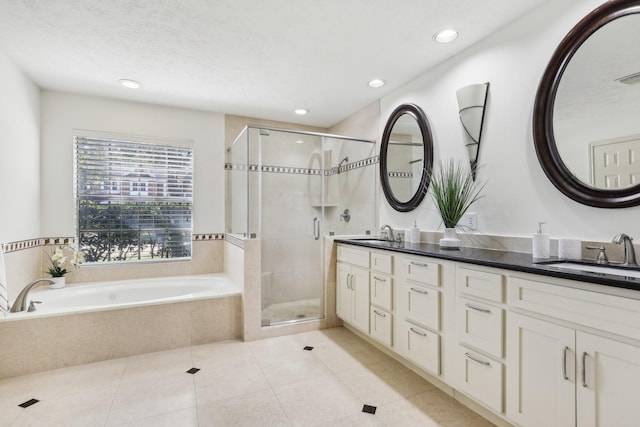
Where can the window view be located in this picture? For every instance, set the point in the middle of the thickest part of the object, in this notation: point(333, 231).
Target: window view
point(133, 200)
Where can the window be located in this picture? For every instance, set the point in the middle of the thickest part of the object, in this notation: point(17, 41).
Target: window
point(133, 200)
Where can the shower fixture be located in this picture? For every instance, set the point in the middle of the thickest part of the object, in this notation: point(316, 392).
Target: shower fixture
point(345, 160)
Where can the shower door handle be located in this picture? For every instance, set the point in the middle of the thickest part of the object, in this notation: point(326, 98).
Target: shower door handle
point(316, 228)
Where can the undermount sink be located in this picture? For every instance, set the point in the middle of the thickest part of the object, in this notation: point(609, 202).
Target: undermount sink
point(374, 241)
point(598, 269)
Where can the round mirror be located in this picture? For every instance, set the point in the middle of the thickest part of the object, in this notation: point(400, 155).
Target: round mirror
point(406, 156)
point(585, 123)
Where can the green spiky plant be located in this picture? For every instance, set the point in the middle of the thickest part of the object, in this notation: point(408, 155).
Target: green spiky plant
point(454, 191)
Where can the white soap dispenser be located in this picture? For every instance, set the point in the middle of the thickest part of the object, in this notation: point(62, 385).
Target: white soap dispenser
point(414, 233)
point(540, 243)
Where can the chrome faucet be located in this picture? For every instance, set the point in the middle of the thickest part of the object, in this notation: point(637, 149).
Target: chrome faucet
point(390, 236)
point(629, 252)
point(20, 304)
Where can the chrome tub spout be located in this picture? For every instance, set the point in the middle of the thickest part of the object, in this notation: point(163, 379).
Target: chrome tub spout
point(20, 304)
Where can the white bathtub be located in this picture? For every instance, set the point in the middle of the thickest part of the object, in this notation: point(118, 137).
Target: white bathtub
point(81, 298)
point(87, 323)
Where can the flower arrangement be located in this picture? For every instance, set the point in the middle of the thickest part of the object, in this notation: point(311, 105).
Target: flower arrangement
point(58, 260)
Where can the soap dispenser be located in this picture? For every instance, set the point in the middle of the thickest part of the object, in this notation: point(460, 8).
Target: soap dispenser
point(540, 243)
point(414, 234)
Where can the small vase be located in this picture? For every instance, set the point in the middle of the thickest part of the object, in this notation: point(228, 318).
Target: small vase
point(450, 240)
point(58, 282)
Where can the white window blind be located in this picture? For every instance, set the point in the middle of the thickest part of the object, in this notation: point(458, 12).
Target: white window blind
point(133, 200)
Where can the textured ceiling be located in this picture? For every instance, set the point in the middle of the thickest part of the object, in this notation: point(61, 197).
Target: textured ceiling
point(254, 58)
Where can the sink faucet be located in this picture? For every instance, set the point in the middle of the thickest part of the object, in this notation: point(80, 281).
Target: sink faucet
point(629, 252)
point(390, 236)
point(20, 304)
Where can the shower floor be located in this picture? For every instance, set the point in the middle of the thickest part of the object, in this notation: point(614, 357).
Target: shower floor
point(291, 311)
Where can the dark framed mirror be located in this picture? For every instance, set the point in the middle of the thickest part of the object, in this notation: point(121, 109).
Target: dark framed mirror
point(406, 157)
point(585, 120)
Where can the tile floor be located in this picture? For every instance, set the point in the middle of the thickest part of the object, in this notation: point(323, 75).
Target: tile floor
point(273, 382)
point(292, 310)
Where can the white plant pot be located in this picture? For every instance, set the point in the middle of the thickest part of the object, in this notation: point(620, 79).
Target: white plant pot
point(59, 282)
point(450, 240)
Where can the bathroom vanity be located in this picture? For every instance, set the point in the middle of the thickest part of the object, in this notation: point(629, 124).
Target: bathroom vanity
point(533, 344)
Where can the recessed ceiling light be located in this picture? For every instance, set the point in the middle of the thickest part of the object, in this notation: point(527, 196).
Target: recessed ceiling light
point(376, 83)
point(446, 36)
point(301, 111)
point(299, 141)
point(131, 84)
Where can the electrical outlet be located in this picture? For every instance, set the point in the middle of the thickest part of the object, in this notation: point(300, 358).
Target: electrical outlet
point(470, 221)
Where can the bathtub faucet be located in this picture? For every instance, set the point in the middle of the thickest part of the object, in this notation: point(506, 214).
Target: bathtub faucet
point(20, 304)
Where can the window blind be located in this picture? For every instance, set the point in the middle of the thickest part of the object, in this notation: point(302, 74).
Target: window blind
point(134, 200)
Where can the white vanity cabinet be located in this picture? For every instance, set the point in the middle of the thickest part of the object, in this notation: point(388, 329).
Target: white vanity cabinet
point(381, 314)
point(418, 311)
point(352, 287)
point(480, 333)
point(560, 373)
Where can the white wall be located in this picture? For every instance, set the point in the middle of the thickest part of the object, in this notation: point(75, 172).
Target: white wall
point(517, 194)
point(20, 157)
point(64, 112)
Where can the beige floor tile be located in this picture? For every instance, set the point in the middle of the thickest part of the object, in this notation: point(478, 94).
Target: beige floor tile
point(183, 418)
point(220, 354)
point(317, 401)
point(82, 409)
point(286, 347)
point(282, 372)
point(9, 413)
point(160, 364)
point(256, 409)
point(224, 382)
point(430, 409)
point(383, 382)
point(83, 378)
point(359, 420)
point(14, 391)
point(138, 400)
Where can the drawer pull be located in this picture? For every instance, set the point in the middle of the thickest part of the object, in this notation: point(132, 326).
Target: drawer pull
point(584, 369)
point(420, 291)
point(379, 314)
point(482, 362)
point(564, 362)
point(419, 264)
point(422, 334)
point(473, 307)
point(379, 279)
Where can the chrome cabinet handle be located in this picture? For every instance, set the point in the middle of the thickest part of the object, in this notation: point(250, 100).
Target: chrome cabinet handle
point(419, 264)
point(564, 362)
point(420, 291)
point(379, 279)
point(349, 281)
point(379, 314)
point(584, 369)
point(482, 362)
point(422, 334)
point(472, 307)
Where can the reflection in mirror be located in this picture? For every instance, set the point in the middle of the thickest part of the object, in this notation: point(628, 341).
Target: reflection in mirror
point(404, 158)
point(597, 106)
point(585, 126)
point(472, 102)
point(406, 154)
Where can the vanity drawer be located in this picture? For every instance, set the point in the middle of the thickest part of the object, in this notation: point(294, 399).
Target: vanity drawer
point(382, 291)
point(481, 284)
point(420, 271)
point(480, 377)
point(481, 326)
point(419, 345)
point(381, 325)
point(381, 262)
point(357, 257)
point(421, 304)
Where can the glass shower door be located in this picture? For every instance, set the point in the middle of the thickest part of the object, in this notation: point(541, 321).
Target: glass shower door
point(291, 225)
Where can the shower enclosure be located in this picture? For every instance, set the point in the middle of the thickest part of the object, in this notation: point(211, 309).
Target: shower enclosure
point(289, 189)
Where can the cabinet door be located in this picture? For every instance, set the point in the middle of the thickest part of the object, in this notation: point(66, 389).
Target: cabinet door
point(480, 325)
point(360, 307)
point(382, 291)
point(541, 372)
point(607, 392)
point(419, 303)
point(343, 292)
point(419, 345)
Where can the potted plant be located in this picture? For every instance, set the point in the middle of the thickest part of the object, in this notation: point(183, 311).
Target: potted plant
point(57, 268)
point(453, 190)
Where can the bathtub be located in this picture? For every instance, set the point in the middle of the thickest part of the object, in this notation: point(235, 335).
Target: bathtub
point(84, 323)
point(81, 298)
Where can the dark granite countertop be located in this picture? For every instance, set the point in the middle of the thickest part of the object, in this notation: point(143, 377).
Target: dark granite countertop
point(516, 261)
